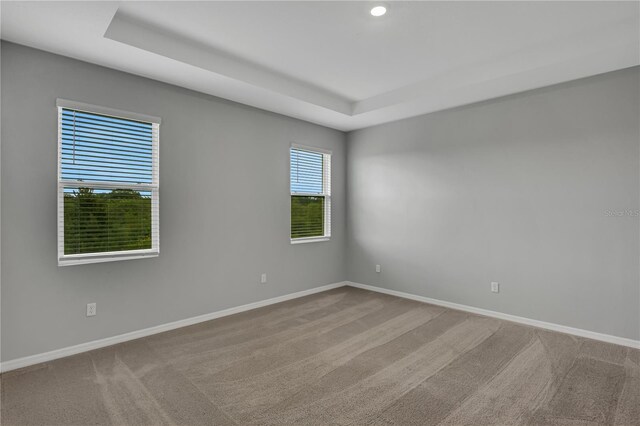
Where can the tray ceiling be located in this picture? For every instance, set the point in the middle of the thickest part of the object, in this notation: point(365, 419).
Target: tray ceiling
point(332, 63)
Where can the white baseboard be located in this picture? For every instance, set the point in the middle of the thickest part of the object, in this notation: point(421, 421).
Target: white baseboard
point(101, 343)
point(623, 341)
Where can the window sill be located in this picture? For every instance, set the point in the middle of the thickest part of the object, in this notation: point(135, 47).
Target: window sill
point(86, 259)
point(309, 240)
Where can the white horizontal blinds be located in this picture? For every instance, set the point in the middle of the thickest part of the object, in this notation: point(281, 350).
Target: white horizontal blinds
point(155, 192)
point(108, 185)
point(310, 177)
point(101, 220)
point(307, 172)
point(106, 149)
point(326, 182)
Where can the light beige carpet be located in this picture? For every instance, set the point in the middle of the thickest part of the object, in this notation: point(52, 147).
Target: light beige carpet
point(346, 356)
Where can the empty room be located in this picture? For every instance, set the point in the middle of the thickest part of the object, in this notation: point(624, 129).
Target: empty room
point(320, 213)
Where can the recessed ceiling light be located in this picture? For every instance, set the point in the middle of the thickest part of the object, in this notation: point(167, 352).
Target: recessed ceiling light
point(378, 11)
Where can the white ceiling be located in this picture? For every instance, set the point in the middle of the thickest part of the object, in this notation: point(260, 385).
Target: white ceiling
point(332, 63)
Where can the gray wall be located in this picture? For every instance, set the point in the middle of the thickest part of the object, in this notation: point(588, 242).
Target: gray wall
point(224, 208)
point(517, 190)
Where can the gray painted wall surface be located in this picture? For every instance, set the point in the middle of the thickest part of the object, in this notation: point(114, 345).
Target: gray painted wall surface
point(515, 190)
point(224, 208)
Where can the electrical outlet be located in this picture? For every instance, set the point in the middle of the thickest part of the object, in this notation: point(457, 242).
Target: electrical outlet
point(263, 279)
point(495, 287)
point(378, 268)
point(91, 309)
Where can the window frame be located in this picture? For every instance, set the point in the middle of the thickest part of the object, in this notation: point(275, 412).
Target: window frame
point(326, 193)
point(154, 188)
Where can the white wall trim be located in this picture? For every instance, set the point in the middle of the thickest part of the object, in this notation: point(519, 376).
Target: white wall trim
point(508, 317)
point(97, 109)
point(101, 343)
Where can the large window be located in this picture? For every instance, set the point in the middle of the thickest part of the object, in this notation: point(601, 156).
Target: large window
point(107, 184)
point(310, 194)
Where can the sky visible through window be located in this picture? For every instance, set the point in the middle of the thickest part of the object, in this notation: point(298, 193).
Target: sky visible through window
point(105, 149)
point(306, 172)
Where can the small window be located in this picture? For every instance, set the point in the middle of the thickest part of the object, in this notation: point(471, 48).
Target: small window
point(310, 194)
point(107, 184)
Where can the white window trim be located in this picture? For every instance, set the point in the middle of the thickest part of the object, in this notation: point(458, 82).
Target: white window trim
point(309, 240)
point(326, 194)
point(154, 188)
point(97, 109)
